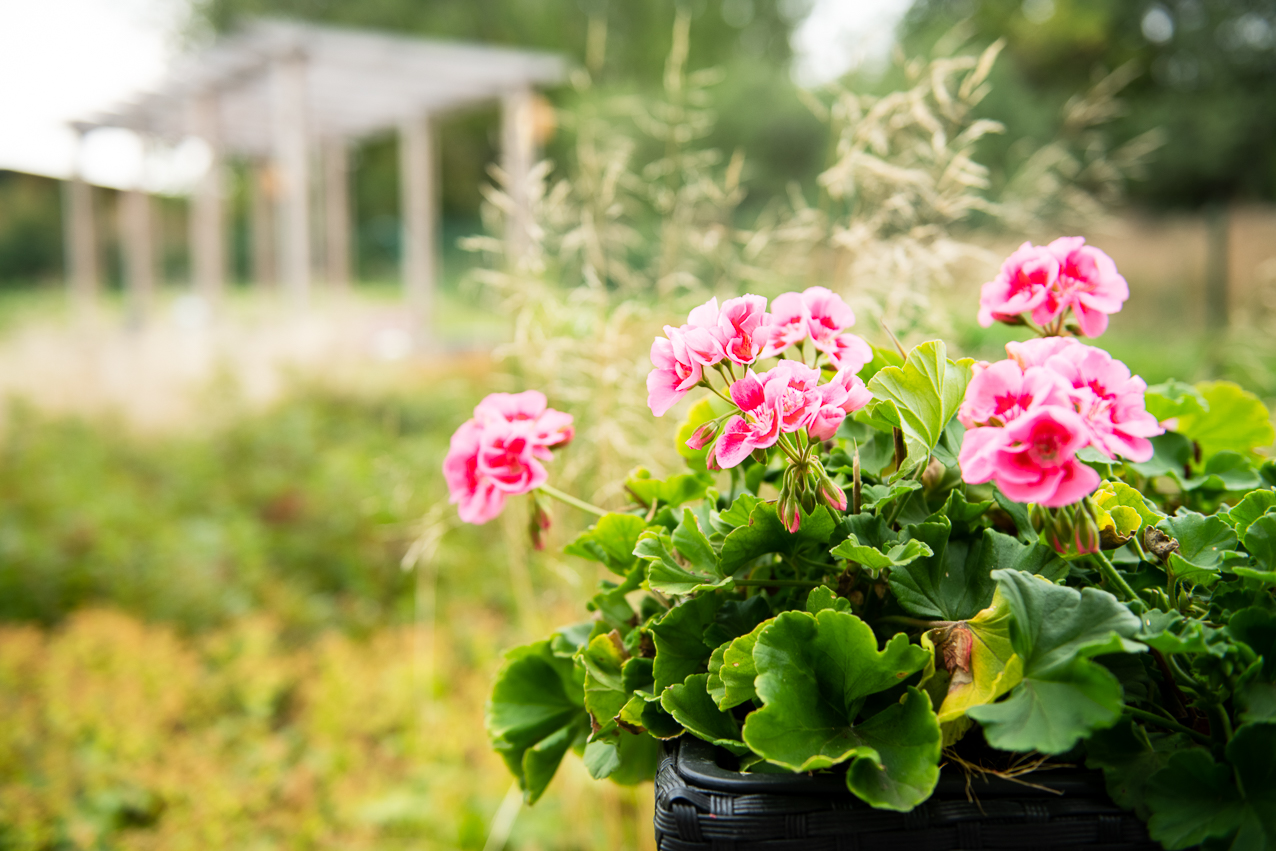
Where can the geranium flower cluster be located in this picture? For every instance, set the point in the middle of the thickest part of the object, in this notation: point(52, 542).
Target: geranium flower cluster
point(498, 453)
point(741, 331)
point(1042, 283)
point(783, 400)
point(1030, 414)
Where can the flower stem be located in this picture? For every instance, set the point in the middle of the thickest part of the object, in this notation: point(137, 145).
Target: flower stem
point(1116, 579)
point(1165, 723)
point(769, 583)
point(572, 501)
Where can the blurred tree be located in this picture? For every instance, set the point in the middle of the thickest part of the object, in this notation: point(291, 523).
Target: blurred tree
point(1209, 79)
point(30, 229)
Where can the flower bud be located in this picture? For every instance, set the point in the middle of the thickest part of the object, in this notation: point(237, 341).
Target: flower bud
point(787, 508)
point(830, 494)
point(1086, 528)
point(538, 524)
point(703, 436)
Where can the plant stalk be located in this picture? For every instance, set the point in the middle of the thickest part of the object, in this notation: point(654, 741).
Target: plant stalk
point(1111, 574)
point(1165, 723)
point(571, 500)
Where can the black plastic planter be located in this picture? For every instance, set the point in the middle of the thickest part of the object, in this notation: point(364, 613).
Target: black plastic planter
point(702, 805)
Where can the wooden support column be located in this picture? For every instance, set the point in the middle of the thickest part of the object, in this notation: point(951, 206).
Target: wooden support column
point(80, 233)
point(336, 212)
point(292, 169)
point(518, 150)
point(139, 253)
point(261, 225)
point(208, 210)
point(420, 220)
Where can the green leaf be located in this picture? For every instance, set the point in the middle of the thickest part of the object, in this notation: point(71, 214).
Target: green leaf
point(1224, 471)
point(955, 582)
point(1203, 540)
point(623, 757)
point(737, 671)
point(665, 573)
point(1260, 540)
point(610, 541)
point(1018, 513)
point(1253, 506)
point(920, 397)
point(736, 618)
point(1174, 398)
point(765, 534)
point(1170, 453)
point(611, 600)
point(824, 597)
point(679, 637)
point(1063, 696)
point(1129, 758)
point(874, 559)
point(673, 491)
point(692, 707)
point(963, 516)
point(739, 512)
point(536, 712)
point(882, 358)
point(1256, 628)
point(1193, 799)
point(1051, 714)
point(814, 673)
point(1236, 419)
point(605, 692)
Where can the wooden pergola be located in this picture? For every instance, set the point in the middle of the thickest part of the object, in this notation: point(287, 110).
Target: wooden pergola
point(284, 96)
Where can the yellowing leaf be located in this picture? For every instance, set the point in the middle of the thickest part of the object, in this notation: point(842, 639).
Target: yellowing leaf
point(978, 658)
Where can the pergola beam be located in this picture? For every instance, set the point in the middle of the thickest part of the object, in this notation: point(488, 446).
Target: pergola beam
point(336, 212)
point(418, 196)
point(292, 159)
point(208, 214)
point(81, 235)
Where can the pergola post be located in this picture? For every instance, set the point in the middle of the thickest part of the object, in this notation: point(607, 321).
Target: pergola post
point(292, 163)
point(208, 215)
point(139, 247)
point(261, 199)
point(336, 212)
point(416, 175)
point(80, 233)
point(518, 150)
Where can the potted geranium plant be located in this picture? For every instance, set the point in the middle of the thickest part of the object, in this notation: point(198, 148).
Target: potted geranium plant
point(881, 563)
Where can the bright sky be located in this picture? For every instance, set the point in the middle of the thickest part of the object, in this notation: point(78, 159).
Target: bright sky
point(65, 59)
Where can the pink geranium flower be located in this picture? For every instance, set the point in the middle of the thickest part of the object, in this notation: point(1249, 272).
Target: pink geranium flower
point(828, 316)
point(498, 453)
point(476, 497)
point(844, 394)
point(848, 351)
point(1025, 284)
point(787, 324)
point(1108, 398)
point(794, 388)
point(1088, 283)
point(740, 328)
point(549, 427)
point(1002, 392)
point(758, 427)
point(507, 457)
point(1033, 459)
point(701, 335)
point(676, 372)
